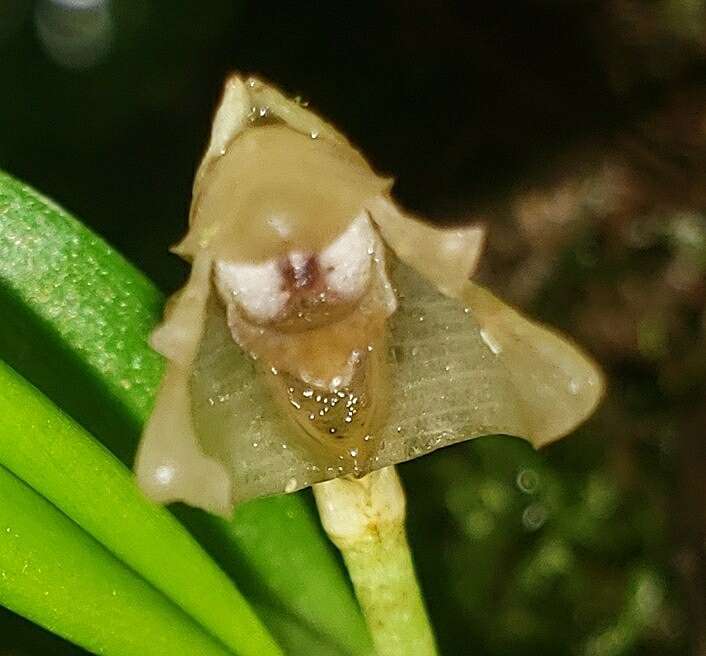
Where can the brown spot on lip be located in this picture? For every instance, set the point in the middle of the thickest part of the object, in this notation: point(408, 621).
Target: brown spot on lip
point(301, 276)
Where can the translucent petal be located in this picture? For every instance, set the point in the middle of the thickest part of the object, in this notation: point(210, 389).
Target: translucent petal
point(275, 190)
point(268, 156)
point(269, 101)
point(252, 99)
point(558, 385)
point(458, 371)
point(170, 464)
point(476, 367)
point(229, 120)
point(446, 256)
point(238, 423)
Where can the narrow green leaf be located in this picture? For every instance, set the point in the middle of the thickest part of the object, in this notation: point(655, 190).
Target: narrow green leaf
point(50, 452)
point(74, 310)
point(58, 576)
point(323, 612)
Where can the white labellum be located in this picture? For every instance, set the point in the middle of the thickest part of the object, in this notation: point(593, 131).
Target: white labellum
point(346, 262)
point(257, 288)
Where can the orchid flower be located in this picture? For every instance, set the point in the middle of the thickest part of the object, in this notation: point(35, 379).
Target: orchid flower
point(324, 332)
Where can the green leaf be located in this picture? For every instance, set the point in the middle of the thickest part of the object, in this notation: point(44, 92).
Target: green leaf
point(58, 576)
point(57, 458)
point(74, 310)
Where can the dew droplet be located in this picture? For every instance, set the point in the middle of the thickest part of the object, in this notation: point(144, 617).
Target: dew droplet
point(490, 341)
point(164, 474)
point(291, 485)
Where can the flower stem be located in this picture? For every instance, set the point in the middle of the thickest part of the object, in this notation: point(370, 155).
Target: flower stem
point(365, 519)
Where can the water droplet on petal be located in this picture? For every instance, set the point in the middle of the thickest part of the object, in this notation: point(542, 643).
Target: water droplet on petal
point(164, 474)
point(490, 341)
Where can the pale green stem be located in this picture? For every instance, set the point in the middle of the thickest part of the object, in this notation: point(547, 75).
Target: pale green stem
point(365, 519)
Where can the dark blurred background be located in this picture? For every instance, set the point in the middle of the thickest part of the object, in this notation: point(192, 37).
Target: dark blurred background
point(577, 131)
